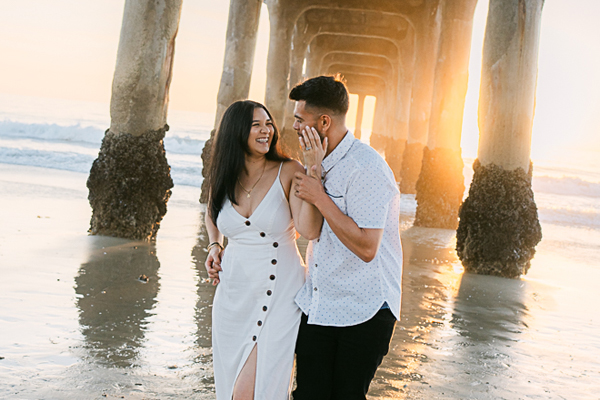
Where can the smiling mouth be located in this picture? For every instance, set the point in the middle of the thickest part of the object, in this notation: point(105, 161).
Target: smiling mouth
point(263, 140)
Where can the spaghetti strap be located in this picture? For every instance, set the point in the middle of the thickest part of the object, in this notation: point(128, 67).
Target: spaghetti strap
point(279, 172)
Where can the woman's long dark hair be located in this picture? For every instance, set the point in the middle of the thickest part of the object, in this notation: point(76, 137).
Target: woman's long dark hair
point(229, 151)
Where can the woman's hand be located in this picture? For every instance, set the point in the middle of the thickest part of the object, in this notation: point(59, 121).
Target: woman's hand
point(213, 264)
point(313, 151)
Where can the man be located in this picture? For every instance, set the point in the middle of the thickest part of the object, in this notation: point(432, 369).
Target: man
point(351, 298)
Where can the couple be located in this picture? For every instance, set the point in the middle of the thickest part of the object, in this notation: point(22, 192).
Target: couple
point(339, 317)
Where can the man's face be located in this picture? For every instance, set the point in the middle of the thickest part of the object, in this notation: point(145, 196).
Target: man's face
point(304, 117)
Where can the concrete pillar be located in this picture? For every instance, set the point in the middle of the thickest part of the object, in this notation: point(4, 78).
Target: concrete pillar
point(359, 115)
point(129, 183)
point(240, 45)
point(378, 138)
point(440, 187)
point(242, 28)
point(384, 137)
point(395, 147)
point(499, 227)
point(286, 127)
point(278, 65)
point(428, 32)
point(313, 61)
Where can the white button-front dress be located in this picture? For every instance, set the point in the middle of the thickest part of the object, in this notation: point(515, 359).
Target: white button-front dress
point(254, 301)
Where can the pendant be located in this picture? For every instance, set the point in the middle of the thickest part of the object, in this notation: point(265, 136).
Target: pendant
point(248, 195)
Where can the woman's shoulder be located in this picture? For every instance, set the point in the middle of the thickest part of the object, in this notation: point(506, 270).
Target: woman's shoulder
point(291, 167)
point(288, 169)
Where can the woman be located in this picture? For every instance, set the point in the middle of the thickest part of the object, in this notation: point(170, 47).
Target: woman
point(255, 318)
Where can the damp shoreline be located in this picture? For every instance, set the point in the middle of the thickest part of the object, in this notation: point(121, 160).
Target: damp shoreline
point(76, 321)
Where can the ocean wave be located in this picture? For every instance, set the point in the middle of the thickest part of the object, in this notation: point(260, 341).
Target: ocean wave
point(183, 171)
point(65, 160)
point(566, 185)
point(183, 145)
point(570, 217)
point(52, 132)
point(179, 143)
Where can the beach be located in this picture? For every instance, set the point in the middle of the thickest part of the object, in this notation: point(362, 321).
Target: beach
point(78, 323)
point(91, 317)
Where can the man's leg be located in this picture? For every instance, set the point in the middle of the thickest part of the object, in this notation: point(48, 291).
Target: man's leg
point(315, 358)
point(361, 349)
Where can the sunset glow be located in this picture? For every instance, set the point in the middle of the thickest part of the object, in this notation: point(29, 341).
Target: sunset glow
point(67, 49)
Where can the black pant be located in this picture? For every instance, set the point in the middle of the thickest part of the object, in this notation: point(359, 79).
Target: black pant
point(338, 363)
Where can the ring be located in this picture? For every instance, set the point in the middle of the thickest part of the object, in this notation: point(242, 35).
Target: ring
point(308, 148)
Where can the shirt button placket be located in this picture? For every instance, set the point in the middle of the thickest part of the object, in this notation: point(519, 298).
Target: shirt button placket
point(315, 291)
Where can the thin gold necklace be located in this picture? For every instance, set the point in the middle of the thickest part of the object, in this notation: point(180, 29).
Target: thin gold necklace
point(253, 186)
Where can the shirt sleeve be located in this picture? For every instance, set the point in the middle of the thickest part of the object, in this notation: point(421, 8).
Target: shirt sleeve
point(369, 195)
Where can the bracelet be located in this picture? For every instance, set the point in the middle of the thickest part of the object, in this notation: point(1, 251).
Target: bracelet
point(213, 244)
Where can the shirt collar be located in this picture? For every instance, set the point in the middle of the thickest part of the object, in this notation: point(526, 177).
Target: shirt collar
point(339, 152)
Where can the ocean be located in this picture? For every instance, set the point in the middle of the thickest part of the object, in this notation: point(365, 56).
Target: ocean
point(66, 135)
point(461, 336)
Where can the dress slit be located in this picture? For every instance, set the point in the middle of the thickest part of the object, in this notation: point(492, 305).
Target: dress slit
point(243, 364)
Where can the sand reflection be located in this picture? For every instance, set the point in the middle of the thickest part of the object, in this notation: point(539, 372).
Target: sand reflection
point(457, 329)
point(203, 312)
point(488, 308)
point(113, 302)
point(428, 284)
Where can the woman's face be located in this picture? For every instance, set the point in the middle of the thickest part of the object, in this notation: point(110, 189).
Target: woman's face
point(261, 133)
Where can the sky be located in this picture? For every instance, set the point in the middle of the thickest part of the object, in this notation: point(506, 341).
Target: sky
point(67, 49)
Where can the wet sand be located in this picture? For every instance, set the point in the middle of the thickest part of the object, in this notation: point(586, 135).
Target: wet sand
point(76, 322)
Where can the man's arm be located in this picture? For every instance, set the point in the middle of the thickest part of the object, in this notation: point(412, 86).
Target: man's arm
point(361, 241)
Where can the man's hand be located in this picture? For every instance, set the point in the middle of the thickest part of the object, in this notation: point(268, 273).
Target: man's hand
point(213, 264)
point(309, 187)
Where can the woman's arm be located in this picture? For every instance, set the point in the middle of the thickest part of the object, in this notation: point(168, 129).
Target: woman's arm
point(213, 260)
point(307, 218)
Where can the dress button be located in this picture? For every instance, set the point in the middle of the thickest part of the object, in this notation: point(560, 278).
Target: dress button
point(264, 308)
point(315, 289)
point(259, 323)
point(275, 244)
point(316, 265)
point(247, 223)
point(273, 261)
point(269, 292)
point(262, 234)
point(272, 277)
point(254, 338)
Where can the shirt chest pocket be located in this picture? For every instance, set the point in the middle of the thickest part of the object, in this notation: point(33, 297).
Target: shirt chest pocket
point(338, 199)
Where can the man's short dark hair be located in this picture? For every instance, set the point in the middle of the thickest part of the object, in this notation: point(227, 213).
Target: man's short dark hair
point(327, 92)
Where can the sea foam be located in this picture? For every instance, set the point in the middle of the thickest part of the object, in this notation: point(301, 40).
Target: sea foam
point(74, 148)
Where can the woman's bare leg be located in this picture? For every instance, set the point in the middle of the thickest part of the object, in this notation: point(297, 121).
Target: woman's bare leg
point(244, 385)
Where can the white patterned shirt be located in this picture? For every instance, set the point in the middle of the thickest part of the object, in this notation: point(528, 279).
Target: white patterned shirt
point(341, 289)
